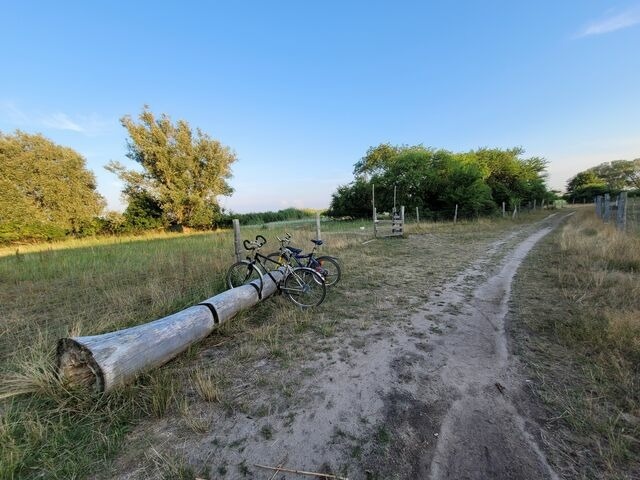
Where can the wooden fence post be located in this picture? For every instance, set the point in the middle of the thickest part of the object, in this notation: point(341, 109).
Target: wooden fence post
point(503, 209)
point(237, 244)
point(535, 203)
point(455, 215)
point(318, 226)
point(375, 221)
point(417, 215)
point(515, 212)
point(621, 220)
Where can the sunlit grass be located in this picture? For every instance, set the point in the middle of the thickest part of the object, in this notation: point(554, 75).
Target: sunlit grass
point(93, 286)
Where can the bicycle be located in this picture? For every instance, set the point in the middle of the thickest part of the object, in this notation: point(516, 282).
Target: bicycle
point(301, 285)
point(325, 265)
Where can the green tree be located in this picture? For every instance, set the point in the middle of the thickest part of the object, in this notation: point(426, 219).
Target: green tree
point(586, 185)
point(143, 212)
point(512, 179)
point(435, 181)
point(182, 171)
point(46, 190)
point(352, 200)
point(619, 174)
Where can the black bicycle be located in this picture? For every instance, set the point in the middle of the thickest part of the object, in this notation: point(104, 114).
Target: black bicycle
point(303, 286)
point(325, 265)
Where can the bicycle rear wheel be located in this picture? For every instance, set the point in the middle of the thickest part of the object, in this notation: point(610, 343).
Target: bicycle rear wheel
point(243, 273)
point(329, 269)
point(305, 287)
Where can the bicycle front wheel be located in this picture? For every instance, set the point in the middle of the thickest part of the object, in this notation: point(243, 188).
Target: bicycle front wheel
point(329, 269)
point(243, 273)
point(304, 287)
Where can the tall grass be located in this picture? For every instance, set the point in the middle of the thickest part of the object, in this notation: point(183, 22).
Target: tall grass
point(594, 384)
point(92, 286)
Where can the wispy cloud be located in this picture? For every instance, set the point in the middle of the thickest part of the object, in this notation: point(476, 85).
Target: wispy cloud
point(612, 22)
point(61, 121)
point(89, 125)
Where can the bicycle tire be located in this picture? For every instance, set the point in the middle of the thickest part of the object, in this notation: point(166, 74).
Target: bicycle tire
point(332, 267)
point(243, 273)
point(304, 287)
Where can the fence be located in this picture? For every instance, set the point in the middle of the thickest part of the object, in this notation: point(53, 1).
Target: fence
point(622, 210)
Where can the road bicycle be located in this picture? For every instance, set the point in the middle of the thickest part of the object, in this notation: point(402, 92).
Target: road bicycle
point(301, 285)
point(325, 265)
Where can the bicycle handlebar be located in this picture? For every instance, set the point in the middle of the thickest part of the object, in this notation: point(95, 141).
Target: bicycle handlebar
point(256, 244)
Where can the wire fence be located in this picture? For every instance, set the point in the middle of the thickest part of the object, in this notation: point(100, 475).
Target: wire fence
point(622, 210)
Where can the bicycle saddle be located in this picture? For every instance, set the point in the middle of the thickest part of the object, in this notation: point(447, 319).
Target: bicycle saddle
point(317, 242)
point(295, 250)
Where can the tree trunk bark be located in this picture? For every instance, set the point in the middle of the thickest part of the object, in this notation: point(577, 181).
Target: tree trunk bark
point(103, 362)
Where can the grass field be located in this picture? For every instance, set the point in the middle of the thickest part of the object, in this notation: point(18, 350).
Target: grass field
point(578, 330)
point(90, 287)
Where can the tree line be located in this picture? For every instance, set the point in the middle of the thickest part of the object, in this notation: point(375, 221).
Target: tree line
point(436, 180)
point(47, 192)
point(609, 177)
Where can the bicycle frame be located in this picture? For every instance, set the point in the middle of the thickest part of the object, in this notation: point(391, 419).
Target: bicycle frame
point(258, 260)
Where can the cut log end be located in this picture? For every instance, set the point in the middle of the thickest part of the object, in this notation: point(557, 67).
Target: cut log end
point(77, 367)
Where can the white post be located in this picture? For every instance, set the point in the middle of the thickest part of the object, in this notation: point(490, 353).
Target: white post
point(417, 215)
point(318, 226)
point(503, 209)
point(455, 215)
point(402, 219)
point(236, 239)
point(375, 222)
point(515, 211)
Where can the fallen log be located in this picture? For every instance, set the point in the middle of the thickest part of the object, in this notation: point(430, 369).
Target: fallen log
point(103, 362)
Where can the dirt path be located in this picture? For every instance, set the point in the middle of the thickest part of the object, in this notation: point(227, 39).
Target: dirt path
point(431, 396)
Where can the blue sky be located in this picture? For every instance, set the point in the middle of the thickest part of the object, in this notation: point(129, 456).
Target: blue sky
point(300, 90)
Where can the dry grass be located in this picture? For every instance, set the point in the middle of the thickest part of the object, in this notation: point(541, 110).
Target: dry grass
point(580, 303)
point(99, 287)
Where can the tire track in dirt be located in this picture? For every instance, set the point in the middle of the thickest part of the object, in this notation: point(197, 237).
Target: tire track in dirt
point(482, 434)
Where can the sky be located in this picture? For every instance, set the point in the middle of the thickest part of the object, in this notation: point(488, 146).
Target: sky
point(301, 90)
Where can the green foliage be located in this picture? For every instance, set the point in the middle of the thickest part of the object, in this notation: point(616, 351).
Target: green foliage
point(608, 177)
point(352, 200)
point(183, 172)
point(437, 180)
point(143, 213)
point(46, 191)
point(258, 218)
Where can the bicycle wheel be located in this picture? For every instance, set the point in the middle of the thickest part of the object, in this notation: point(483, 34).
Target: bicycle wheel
point(242, 273)
point(304, 287)
point(329, 269)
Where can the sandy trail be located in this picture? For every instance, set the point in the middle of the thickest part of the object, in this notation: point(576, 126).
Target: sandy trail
point(427, 397)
